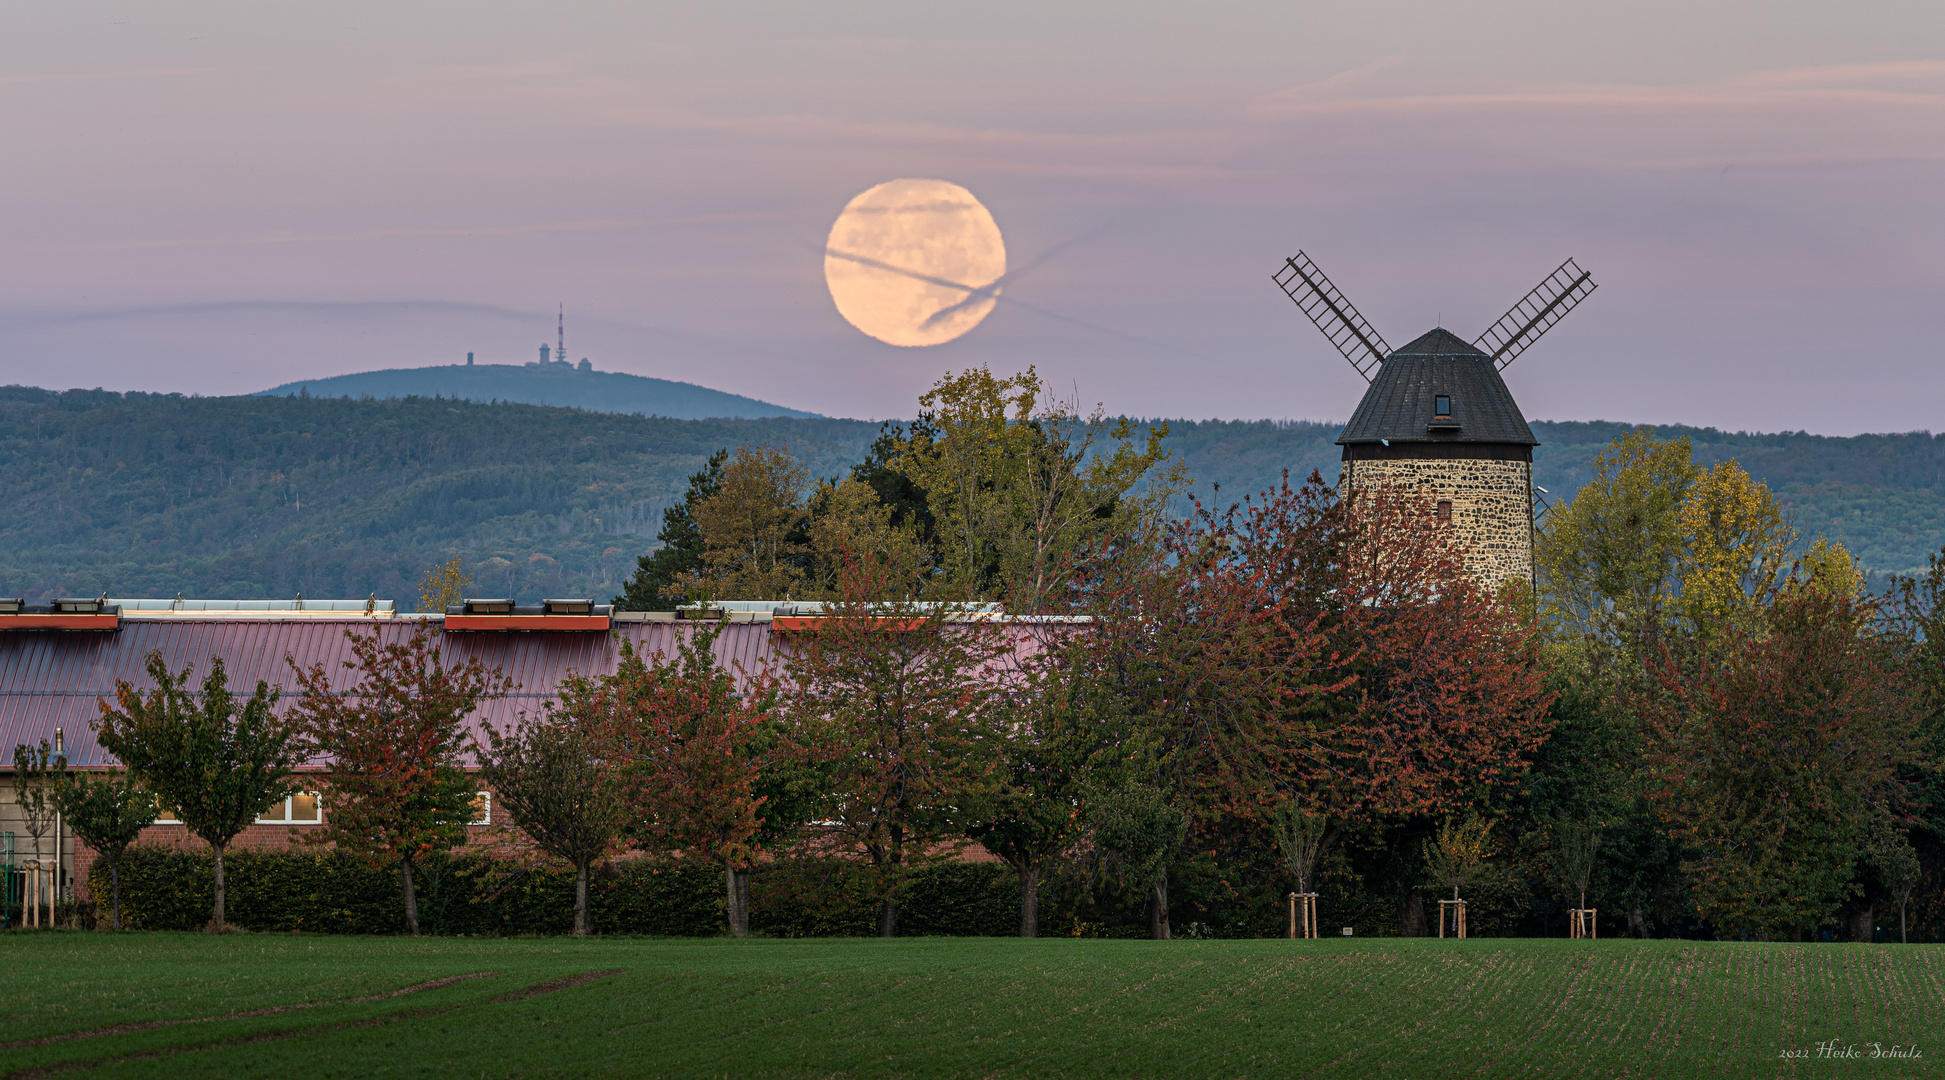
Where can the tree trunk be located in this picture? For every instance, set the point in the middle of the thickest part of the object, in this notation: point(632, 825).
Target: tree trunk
point(1030, 900)
point(411, 898)
point(738, 879)
point(1902, 939)
point(1863, 923)
point(1158, 911)
point(1637, 926)
point(115, 893)
point(583, 925)
point(888, 913)
point(1411, 915)
point(216, 916)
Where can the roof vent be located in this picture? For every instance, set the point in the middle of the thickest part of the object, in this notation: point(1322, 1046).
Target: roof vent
point(488, 607)
point(12, 605)
point(568, 607)
point(70, 605)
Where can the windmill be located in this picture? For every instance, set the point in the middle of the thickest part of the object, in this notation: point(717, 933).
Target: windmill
point(1438, 417)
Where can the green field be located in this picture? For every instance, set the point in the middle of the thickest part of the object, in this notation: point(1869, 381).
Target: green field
point(264, 1005)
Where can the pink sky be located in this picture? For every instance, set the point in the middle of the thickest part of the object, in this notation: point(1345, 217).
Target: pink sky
point(218, 198)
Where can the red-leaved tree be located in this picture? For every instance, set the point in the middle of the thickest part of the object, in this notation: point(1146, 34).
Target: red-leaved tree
point(395, 741)
point(1316, 661)
point(693, 746)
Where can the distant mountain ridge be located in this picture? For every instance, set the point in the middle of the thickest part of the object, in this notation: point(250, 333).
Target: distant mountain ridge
point(274, 495)
point(552, 383)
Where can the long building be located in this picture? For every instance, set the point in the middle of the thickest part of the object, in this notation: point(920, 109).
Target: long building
point(60, 662)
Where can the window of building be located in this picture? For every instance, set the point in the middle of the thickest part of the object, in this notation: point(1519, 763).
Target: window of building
point(482, 809)
point(1444, 405)
point(166, 815)
point(1445, 509)
point(303, 808)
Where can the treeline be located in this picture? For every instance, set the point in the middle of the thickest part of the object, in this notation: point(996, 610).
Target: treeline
point(158, 494)
point(1696, 725)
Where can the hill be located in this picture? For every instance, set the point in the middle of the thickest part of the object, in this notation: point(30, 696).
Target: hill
point(152, 495)
point(543, 384)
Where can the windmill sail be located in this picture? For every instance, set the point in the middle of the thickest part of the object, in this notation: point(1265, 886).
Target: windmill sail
point(1536, 313)
point(1317, 298)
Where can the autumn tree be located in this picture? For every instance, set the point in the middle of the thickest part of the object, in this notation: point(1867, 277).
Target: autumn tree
point(443, 585)
point(108, 813)
point(1016, 481)
point(1772, 751)
point(658, 574)
point(396, 740)
point(1458, 851)
point(215, 763)
point(753, 528)
point(898, 700)
point(551, 777)
point(694, 747)
point(1607, 560)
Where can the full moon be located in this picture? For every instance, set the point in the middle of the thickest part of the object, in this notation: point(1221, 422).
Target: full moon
point(914, 262)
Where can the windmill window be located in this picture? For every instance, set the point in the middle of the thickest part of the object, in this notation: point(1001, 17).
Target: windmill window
point(1445, 509)
point(1444, 405)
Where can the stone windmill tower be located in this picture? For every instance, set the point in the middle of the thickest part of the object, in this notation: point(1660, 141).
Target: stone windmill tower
point(1438, 417)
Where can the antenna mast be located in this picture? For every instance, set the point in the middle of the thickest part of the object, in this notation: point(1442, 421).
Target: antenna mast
point(560, 342)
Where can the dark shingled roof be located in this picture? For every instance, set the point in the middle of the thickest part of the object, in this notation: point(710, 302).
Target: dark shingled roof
point(1399, 403)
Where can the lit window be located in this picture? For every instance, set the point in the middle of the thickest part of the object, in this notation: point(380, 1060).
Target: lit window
point(303, 808)
point(1445, 509)
point(1444, 406)
point(166, 815)
point(482, 808)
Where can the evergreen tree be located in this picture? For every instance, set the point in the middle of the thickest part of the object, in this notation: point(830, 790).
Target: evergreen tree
point(654, 583)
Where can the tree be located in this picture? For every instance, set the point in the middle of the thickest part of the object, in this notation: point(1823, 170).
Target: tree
point(1138, 836)
point(1607, 560)
point(551, 778)
point(1016, 481)
point(445, 584)
point(1736, 545)
point(896, 699)
point(1898, 866)
point(1457, 852)
point(398, 790)
point(1054, 724)
point(753, 528)
point(658, 573)
point(216, 765)
point(1771, 750)
point(1301, 837)
point(1574, 855)
point(38, 773)
point(695, 746)
point(849, 521)
point(108, 813)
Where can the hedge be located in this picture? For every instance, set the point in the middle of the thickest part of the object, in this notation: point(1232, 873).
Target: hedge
point(164, 888)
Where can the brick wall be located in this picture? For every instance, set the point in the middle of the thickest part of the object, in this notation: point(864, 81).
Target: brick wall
point(1492, 506)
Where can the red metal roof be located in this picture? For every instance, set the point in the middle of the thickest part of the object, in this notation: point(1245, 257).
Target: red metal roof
point(54, 679)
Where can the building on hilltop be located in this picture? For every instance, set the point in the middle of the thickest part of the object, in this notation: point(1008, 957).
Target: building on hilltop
point(1438, 419)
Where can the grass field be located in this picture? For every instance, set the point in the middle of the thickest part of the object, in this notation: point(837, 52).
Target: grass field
point(271, 1006)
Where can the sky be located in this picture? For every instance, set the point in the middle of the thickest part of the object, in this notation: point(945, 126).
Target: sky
point(218, 198)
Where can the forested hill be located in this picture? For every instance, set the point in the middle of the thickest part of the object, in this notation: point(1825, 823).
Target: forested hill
point(154, 495)
point(543, 384)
